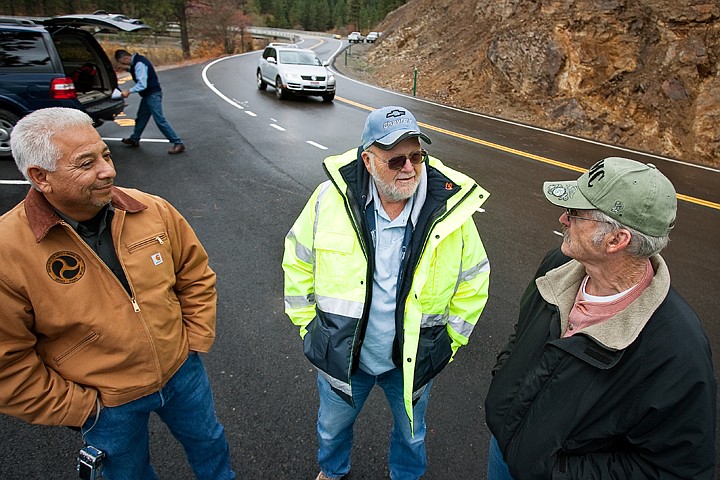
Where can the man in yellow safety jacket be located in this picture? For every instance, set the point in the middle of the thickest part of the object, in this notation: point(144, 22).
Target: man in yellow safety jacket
point(386, 276)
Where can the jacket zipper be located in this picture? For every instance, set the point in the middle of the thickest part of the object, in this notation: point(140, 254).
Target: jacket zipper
point(356, 216)
point(432, 221)
point(133, 300)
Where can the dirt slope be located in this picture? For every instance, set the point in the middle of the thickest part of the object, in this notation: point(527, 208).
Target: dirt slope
point(638, 73)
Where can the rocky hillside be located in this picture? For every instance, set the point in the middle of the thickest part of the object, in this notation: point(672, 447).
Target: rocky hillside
point(638, 73)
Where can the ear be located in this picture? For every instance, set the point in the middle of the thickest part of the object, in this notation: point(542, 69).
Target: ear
point(366, 160)
point(39, 177)
point(618, 240)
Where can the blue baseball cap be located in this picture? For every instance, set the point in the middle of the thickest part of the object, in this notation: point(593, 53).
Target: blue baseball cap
point(388, 126)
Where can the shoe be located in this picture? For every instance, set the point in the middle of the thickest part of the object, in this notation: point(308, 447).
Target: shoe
point(177, 148)
point(322, 476)
point(130, 142)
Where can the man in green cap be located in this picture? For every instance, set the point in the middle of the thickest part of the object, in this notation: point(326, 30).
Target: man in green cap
point(608, 373)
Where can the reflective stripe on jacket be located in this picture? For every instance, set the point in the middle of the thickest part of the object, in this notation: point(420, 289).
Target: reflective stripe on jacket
point(328, 265)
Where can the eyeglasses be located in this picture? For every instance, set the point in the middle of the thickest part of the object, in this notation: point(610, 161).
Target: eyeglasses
point(573, 213)
point(398, 162)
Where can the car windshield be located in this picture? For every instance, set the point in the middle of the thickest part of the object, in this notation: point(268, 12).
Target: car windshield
point(299, 58)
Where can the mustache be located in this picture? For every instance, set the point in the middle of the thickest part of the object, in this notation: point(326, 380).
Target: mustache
point(565, 234)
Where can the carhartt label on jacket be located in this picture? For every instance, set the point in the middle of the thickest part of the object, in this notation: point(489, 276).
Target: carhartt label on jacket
point(157, 259)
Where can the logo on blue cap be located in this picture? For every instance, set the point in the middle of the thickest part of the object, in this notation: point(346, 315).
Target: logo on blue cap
point(388, 126)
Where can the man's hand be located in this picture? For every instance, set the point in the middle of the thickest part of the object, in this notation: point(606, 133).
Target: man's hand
point(125, 93)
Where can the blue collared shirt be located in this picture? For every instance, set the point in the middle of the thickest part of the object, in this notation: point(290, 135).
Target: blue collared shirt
point(388, 237)
point(141, 77)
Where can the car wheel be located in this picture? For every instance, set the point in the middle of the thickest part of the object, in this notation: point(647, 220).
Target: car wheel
point(280, 93)
point(328, 97)
point(262, 85)
point(7, 122)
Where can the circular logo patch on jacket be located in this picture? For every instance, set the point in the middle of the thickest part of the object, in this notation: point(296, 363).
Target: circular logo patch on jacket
point(65, 267)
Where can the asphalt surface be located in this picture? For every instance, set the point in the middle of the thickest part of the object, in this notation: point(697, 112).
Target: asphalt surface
point(252, 162)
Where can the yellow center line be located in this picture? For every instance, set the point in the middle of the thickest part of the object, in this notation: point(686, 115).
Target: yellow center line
point(532, 156)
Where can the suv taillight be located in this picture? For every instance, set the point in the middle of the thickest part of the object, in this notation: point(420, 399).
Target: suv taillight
point(62, 88)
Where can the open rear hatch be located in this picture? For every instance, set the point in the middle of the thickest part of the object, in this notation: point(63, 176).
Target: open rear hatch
point(104, 22)
point(84, 61)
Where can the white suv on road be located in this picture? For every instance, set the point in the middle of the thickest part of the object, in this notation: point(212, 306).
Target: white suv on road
point(293, 70)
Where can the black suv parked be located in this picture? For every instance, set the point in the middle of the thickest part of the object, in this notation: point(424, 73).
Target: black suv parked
point(56, 63)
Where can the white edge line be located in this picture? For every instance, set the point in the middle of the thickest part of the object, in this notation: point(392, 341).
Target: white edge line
point(14, 182)
point(148, 140)
point(321, 147)
point(531, 127)
point(212, 87)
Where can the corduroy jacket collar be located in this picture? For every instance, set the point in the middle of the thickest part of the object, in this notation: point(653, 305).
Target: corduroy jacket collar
point(42, 216)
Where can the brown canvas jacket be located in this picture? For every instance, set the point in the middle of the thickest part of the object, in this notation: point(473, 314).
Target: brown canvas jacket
point(69, 331)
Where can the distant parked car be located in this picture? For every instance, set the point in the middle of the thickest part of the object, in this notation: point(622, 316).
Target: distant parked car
point(355, 37)
point(56, 63)
point(371, 37)
point(293, 70)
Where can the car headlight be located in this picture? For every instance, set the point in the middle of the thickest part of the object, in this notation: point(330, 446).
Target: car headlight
point(331, 79)
point(293, 77)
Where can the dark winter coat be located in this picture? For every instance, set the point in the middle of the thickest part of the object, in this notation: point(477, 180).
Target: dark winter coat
point(633, 397)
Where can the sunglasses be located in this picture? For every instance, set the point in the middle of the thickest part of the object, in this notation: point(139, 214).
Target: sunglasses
point(398, 162)
point(573, 213)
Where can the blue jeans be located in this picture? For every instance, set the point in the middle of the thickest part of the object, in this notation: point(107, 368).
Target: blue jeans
point(497, 469)
point(406, 458)
point(185, 404)
point(151, 106)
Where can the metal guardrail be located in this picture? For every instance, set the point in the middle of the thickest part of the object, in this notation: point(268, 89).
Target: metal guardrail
point(283, 33)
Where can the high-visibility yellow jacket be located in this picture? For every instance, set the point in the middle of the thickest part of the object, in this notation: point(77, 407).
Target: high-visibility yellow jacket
point(328, 265)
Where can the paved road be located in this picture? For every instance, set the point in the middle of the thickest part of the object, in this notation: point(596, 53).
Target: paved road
point(251, 163)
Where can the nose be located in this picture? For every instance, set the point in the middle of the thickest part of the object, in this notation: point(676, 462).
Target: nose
point(106, 169)
point(564, 219)
point(408, 165)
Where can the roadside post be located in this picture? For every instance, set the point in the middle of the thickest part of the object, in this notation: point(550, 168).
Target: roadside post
point(415, 74)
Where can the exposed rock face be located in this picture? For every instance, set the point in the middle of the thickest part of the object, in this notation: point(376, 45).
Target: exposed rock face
point(638, 73)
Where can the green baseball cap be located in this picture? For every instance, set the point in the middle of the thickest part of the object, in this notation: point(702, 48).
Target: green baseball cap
point(633, 193)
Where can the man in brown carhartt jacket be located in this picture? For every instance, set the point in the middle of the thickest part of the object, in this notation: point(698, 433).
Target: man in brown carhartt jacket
point(106, 292)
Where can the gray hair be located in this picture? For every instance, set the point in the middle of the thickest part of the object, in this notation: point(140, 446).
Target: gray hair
point(30, 140)
point(641, 245)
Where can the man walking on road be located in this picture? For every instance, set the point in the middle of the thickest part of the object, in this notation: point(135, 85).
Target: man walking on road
point(107, 298)
point(147, 86)
point(386, 276)
point(609, 372)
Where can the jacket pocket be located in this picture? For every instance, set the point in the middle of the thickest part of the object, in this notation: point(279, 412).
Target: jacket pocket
point(315, 344)
point(59, 359)
point(336, 260)
point(157, 239)
point(434, 353)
